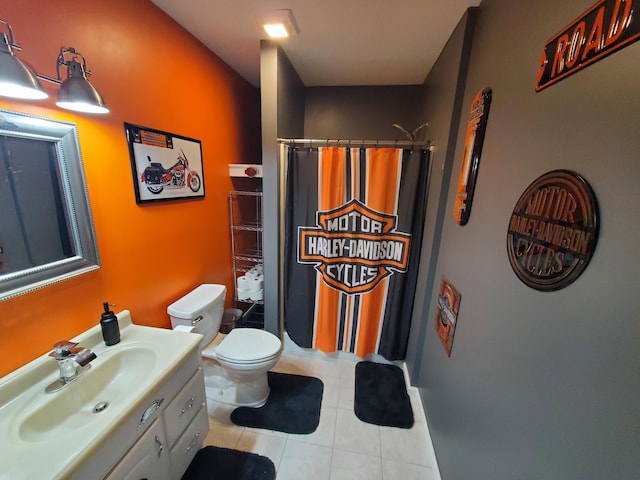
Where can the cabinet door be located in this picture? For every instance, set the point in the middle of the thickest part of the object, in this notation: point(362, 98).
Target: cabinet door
point(148, 459)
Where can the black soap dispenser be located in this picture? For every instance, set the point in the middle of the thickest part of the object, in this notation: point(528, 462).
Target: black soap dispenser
point(110, 327)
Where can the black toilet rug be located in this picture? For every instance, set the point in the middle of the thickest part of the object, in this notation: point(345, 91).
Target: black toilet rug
point(293, 405)
point(216, 463)
point(381, 395)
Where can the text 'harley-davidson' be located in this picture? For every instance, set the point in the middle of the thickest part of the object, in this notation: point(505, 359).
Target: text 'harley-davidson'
point(156, 177)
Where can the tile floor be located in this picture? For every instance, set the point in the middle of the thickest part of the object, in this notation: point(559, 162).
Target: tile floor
point(342, 447)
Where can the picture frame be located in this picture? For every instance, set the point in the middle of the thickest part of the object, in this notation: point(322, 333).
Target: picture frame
point(165, 166)
point(476, 128)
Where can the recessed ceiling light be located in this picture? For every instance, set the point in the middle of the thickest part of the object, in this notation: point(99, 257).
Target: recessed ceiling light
point(279, 24)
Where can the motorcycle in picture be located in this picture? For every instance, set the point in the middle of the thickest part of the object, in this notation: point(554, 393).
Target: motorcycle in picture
point(157, 178)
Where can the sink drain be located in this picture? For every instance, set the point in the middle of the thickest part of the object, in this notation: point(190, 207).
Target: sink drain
point(100, 407)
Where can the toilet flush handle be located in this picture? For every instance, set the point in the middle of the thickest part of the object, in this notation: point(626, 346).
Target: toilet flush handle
point(193, 322)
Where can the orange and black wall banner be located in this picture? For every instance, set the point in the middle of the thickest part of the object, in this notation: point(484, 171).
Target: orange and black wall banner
point(606, 27)
point(474, 140)
point(353, 230)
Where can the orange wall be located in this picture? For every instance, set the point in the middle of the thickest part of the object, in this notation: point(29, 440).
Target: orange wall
point(151, 73)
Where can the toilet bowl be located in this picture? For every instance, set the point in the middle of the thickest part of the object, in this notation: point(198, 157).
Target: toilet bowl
point(235, 365)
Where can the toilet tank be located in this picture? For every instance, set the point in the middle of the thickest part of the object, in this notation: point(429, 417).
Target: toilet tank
point(202, 309)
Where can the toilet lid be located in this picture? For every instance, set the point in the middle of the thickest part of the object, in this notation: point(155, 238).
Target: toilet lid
point(248, 345)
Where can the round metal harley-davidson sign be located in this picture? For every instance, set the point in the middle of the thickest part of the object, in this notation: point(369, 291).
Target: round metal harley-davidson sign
point(553, 231)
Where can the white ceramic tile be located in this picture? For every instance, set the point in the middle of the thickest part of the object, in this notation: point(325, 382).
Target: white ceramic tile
point(406, 445)
point(295, 364)
point(355, 466)
point(305, 461)
point(324, 434)
point(416, 405)
point(266, 445)
point(331, 391)
point(354, 435)
point(223, 435)
point(274, 433)
point(325, 366)
point(219, 413)
point(394, 470)
point(347, 392)
point(349, 368)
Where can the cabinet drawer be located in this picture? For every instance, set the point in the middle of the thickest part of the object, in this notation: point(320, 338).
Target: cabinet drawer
point(148, 458)
point(183, 408)
point(189, 443)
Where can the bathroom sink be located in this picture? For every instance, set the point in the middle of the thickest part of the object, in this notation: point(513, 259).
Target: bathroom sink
point(109, 382)
point(50, 435)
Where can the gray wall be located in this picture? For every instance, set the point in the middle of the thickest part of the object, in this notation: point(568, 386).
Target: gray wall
point(362, 113)
point(539, 385)
point(282, 112)
point(444, 90)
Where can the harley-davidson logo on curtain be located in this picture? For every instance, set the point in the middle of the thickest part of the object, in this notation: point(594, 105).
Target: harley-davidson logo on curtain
point(354, 248)
point(353, 234)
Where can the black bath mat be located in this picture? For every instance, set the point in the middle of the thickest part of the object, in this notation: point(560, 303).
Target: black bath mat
point(381, 395)
point(215, 463)
point(293, 405)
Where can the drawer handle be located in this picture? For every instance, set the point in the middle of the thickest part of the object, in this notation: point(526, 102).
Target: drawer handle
point(188, 406)
point(193, 443)
point(160, 446)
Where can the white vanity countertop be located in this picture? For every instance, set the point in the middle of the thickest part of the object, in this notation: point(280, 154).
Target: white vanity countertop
point(49, 435)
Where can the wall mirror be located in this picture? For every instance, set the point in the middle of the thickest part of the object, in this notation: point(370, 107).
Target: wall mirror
point(46, 227)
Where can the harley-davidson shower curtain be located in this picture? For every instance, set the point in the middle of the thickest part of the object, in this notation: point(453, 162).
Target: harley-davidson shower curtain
point(353, 232)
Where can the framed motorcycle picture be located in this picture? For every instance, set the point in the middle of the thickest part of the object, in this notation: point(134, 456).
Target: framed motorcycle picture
point(165, 166)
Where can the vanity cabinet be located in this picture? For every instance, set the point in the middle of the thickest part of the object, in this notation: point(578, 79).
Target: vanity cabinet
point(146, 459)
point(161, 438)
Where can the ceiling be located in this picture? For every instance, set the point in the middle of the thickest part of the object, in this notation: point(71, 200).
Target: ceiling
point(341, 42)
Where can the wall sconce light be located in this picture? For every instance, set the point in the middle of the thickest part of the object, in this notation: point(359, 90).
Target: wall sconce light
point(279, 24)
point(17, 80)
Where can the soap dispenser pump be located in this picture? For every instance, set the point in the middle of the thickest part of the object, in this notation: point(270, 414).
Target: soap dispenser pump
point(110, 327)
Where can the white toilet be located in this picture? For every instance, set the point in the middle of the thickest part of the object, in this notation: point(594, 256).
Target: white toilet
point(235, 369)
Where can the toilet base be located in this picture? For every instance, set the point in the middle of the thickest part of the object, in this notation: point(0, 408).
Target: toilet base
point(223, 390)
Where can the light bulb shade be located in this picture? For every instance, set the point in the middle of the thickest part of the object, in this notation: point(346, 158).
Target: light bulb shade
point(77, 94)
point(16, 79)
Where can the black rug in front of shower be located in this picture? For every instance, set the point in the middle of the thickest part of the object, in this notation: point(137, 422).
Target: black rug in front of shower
point(381, 395)
point(216, 463)
point(293, 405)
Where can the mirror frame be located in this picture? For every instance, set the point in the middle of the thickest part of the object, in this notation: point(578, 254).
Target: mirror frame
point(64, 137)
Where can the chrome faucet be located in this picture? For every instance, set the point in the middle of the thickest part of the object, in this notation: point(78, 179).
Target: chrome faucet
point(72, 360)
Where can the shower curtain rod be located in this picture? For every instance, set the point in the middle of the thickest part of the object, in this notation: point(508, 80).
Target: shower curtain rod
point(355, 143)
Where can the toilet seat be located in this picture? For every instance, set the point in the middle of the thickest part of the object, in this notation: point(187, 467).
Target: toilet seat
point(246, 346)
